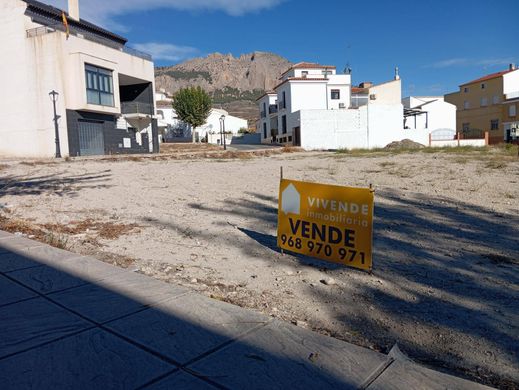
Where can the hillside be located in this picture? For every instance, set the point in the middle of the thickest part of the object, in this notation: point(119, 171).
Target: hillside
point(234, 83)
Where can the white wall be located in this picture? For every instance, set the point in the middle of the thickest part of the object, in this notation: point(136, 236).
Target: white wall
point(387, 93)
point(31, 67)
point(440, 114)
point(511, 82)
point(370, 126)
point(462, 142)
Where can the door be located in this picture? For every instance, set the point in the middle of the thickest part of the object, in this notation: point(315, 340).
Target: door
point(91, 140)
point(297, 136)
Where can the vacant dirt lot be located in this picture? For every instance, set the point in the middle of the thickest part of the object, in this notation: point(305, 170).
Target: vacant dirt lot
point(445, 285)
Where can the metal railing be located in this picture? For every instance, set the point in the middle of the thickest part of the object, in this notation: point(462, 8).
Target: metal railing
point(38, 31)
point(273, 108)
point(263, 114)
point(136, 108)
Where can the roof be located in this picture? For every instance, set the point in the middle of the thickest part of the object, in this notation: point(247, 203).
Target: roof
point(54, 14)
point(359, 90)
point(300, 79)
point(268, 93)
point(489, 77)
point(308, 65)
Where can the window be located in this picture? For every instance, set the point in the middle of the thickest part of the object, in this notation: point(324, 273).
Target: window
point(483, 86)
point(466, 89)
point(264, 130)
point(465, 126)
point(466, 105)
point(99, 86)
point(494, 124)
point(336, 94)
point(512, 110)
point(284, 124)
point(484, 102)
point(289, 139)
point(304, 73)
point(495, 99)
point(284, 101)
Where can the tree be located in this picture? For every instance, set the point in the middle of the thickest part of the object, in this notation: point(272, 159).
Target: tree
point(192, 105)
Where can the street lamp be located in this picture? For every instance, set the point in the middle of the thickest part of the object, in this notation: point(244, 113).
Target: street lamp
point(54, 97)
point(222, 131)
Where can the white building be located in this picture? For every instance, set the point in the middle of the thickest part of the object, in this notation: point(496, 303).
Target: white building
point(174, 129)
point(315, 108)
point(429, 112)
point(106, 90)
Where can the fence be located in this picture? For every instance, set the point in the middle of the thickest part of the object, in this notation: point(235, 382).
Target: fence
point(449, 137)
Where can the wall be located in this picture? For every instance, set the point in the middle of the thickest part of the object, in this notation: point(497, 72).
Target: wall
point(371, 126)
point(511, 82)
point(387, 93)
point(440, 114)
point(462, 142)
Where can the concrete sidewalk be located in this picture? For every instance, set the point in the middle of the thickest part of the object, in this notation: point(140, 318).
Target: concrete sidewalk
point(69, 321)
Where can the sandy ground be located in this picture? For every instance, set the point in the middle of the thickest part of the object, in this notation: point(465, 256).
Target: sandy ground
point(445, 285)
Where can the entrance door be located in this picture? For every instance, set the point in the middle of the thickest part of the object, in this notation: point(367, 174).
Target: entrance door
point(297, 136)
point(91, 140)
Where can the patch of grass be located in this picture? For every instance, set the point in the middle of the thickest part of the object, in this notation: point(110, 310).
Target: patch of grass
point(495, 163)
point(385, 164)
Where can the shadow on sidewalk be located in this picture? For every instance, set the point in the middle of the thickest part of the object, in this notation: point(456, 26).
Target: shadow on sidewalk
point(73, 322)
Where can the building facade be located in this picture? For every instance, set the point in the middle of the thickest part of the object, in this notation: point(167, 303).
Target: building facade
point(315, 108)
point(480, 104)
point(173, 129)
point(105, 100)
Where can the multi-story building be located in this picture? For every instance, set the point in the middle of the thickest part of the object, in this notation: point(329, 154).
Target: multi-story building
point(105, 89)
point(316, 108)
point(480, 105)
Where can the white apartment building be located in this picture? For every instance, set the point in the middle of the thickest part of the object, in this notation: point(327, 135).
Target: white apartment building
point(106, 90)
point(315, 108)
point(429, 112)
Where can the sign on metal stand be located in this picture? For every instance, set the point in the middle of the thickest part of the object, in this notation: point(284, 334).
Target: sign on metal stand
point(329, 222)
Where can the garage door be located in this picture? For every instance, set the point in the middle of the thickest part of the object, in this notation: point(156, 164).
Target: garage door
point(91, 141)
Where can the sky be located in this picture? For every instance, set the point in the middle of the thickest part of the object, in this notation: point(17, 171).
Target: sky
point(436, 44)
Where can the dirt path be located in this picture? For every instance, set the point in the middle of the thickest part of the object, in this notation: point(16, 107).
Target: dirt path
point(446, 243)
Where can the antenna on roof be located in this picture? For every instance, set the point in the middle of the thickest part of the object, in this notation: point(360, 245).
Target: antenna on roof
point(347, 70)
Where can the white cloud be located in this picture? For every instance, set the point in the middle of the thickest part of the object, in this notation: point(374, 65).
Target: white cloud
point(166, 51)
point(485, 63)
point(103, 11)
point(449, 62)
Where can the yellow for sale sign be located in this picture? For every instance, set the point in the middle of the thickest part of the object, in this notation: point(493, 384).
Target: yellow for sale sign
point(329, 222)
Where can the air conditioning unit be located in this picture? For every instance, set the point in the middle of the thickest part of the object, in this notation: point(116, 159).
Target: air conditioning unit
point(372, 97)
point(342, 105)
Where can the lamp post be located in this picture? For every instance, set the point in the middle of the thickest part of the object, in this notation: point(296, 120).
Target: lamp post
point(54, 97)
point(222, 131)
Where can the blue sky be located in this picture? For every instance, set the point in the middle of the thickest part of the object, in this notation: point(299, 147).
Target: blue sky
point(436, 44)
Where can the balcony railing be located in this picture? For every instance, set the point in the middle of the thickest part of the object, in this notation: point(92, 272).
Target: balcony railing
point(273, 108)
point(34, 32)
point(263, 114)
point(136, 108)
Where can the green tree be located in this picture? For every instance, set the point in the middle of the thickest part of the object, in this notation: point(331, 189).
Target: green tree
point(192, 105)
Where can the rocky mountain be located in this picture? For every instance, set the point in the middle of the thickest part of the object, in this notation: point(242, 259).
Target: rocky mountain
point(234, 83)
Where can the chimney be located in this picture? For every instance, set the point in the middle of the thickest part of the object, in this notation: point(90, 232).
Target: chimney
point(73, 9)
point(511, 67)
point(397, 75)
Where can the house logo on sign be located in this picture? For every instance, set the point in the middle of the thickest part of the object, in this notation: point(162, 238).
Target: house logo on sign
point(291, 200)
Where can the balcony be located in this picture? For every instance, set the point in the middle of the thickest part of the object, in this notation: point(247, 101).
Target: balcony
point(136, 109)
point(263, 114)
point(273, 109)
